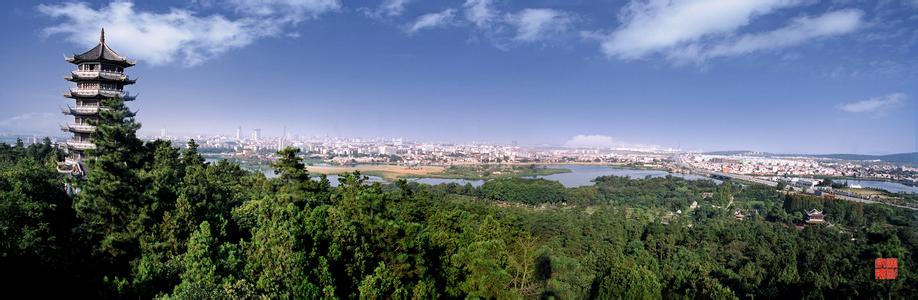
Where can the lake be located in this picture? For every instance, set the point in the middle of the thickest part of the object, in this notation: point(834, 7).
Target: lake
point(580, 175)
point(892, 187)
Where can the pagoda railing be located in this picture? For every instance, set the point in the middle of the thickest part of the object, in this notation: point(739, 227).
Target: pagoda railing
point(80, 110)
point(78, 145)
point(82, 128)
point(105, 74)
point(97, 91)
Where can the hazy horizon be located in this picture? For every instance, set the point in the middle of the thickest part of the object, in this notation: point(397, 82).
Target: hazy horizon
point(772, 76)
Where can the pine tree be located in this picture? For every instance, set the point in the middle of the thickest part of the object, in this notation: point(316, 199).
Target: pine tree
point(191, 157)
point(112, 198)
point(199, 279)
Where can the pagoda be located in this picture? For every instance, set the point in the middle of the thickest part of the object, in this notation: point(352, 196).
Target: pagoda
point(99, 75)
point(815, 216)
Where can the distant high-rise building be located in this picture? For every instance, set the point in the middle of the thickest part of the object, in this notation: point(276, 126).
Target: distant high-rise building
point(256, 133)
point(99, 75)
point(283, 139)
point(162, 132)
point(239, 133)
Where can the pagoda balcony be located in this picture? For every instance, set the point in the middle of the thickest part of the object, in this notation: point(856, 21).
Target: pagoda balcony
point(80, 110)
point(110, 75)
point(78, 128)
point(78, 145)
point(92, 92)
point(70, 166)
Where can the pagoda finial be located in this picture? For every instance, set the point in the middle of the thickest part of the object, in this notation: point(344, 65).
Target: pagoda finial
point(102, 36)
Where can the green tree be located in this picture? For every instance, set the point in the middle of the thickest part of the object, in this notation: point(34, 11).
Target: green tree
point(111, 201)
point(199, 277)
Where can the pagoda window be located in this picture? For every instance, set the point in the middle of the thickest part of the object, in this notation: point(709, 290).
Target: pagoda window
point(88, 85)
point(88, 67)
point(110, 68)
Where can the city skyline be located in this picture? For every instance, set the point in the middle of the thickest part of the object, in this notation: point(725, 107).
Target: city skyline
point(775, 76)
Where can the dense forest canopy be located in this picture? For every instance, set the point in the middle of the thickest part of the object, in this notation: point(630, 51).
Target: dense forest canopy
point(151, 220)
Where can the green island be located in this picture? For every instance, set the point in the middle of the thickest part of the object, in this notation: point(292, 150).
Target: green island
point(151, 220)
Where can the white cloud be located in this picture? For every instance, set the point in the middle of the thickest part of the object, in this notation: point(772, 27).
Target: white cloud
point(432, 20)
point(590, 141)
point(701, 29)
point(388, 8)
point(480, 12)
point(178, 34)
point(878, 106)
point(655, 25)
point(798, 31)
point(533, 24)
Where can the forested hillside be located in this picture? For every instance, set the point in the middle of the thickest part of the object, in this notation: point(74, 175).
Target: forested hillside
point(152, 220)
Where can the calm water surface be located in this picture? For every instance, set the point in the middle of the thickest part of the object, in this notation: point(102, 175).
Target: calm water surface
point(893, 187)
point(580, 175)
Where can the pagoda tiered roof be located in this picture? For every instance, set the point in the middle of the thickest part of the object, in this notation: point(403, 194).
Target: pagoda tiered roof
point(103, 78)
point(101, 53)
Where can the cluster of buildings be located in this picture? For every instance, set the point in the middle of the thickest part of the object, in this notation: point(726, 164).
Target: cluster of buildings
point(337, 150)
point(791, 166)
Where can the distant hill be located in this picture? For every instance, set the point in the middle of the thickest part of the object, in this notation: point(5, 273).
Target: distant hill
point(899, 158)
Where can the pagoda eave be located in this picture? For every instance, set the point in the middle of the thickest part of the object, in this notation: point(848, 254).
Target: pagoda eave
point(78, 128)
point(122, 63)
point(124, 81)
point(80, 110)
point(99, 94)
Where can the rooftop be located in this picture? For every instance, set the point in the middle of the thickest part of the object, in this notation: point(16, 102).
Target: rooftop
point(101, 53)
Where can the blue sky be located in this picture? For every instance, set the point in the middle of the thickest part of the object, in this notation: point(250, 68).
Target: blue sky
point(771, 75)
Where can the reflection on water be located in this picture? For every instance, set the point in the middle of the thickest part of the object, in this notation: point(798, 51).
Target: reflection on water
point(893, 187)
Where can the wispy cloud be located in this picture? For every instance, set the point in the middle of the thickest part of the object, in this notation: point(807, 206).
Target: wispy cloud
point(432, 20)
point(388, 8)
point(877, 106)
point(481, 13)
point(286, 10)
point(703, 29)
point(32, 122)
point(799, 31)
point(178, 34)
point(534, 24)
point(509, 29)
